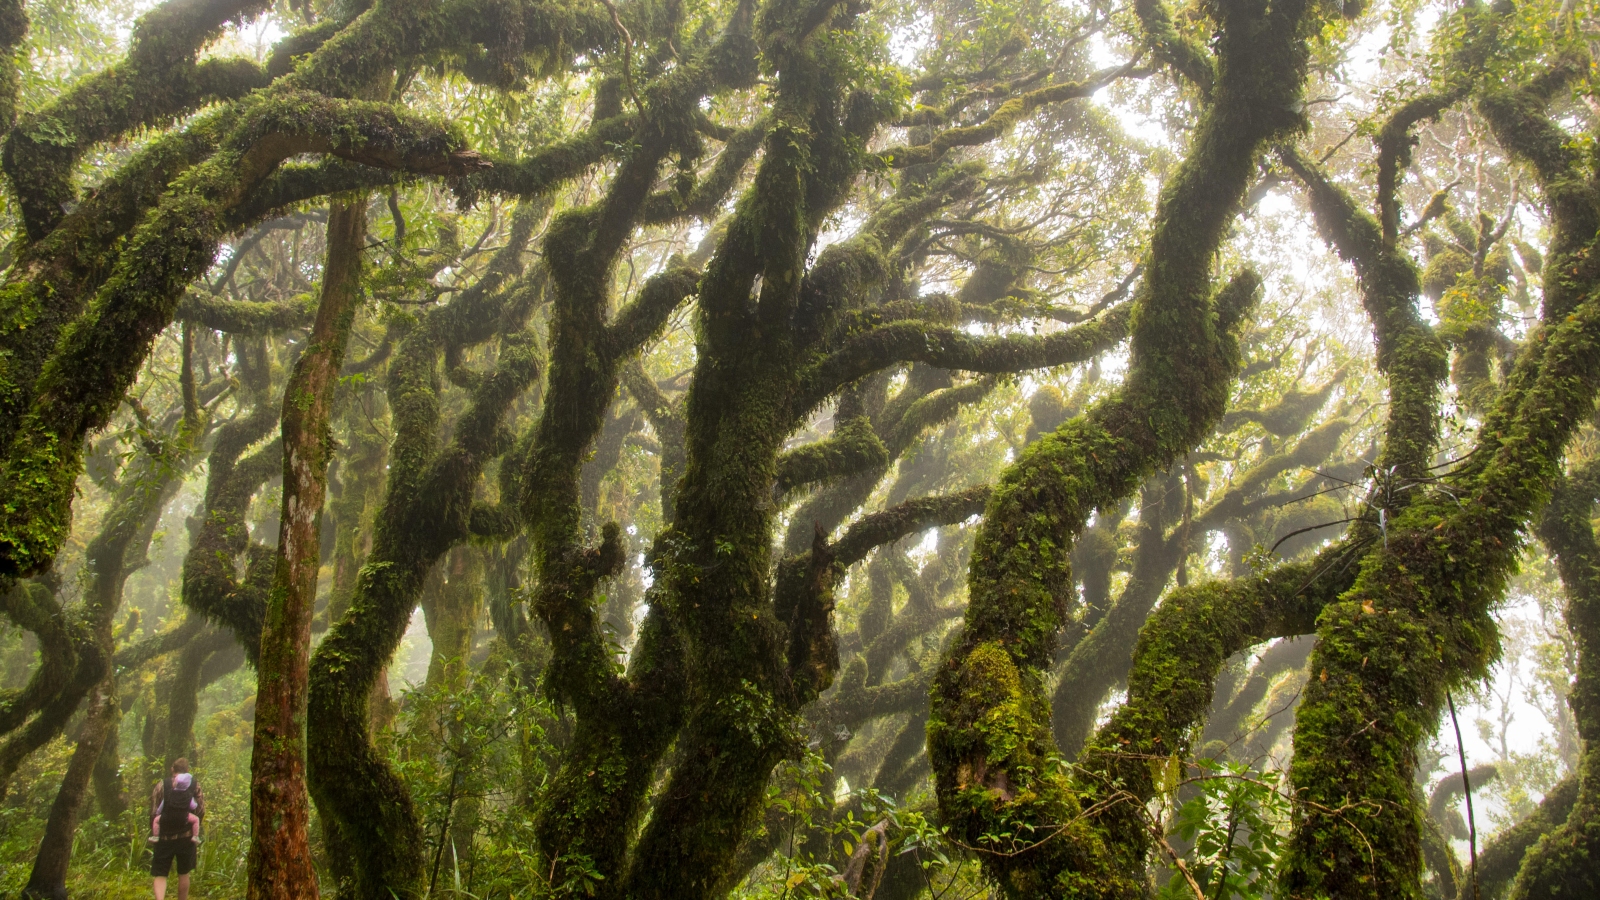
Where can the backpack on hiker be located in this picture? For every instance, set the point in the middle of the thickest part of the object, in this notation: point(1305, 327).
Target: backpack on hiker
point(176, 804)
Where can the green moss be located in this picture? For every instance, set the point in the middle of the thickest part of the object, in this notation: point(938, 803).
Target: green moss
point(1561, 862)
point(1184, 360)
point(159, 81)
point(852, 447)
point(427, 510)
point(99, 354)
point(1417, 622)
point(1500, 859)
point(211, 586)
point(1409, 354)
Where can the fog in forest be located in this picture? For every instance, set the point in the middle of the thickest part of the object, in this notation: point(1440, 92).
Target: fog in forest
point(783, 449)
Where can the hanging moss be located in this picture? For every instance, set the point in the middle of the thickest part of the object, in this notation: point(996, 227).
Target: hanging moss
point(55, 278)
point(1182, 54)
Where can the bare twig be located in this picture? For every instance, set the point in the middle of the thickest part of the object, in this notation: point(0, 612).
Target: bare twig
point(1466, 789)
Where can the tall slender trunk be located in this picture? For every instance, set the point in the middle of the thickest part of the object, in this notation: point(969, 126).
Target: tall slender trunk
point(280, 851)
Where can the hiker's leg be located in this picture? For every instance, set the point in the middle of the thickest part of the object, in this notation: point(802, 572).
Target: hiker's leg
point(161, 887)
point(183, 887)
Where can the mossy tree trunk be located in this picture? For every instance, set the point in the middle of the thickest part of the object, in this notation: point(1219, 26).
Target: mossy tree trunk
point(183, 695)
point(452, 604)
point(1378, 686)
point(212, 588)
point(280, 811)
point(989, 736)
point(368, 817)
point(724, 659)
point(136, 253)
point(1562, 862)
point(48, 880)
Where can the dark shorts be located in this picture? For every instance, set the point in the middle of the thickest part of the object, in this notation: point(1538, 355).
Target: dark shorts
point(180, 849)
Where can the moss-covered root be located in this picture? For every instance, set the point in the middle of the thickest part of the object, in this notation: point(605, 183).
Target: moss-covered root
point(1566, 861)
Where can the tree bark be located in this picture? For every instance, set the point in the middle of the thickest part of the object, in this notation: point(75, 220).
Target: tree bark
point(110, 795)
point(452, 604)
point(183, 697)
point(49, 876)
point(280, 850)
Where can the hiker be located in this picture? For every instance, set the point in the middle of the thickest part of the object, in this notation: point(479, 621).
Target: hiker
point(176, 808)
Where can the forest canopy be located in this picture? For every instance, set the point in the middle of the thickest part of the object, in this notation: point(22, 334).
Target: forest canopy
point(688, 449)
